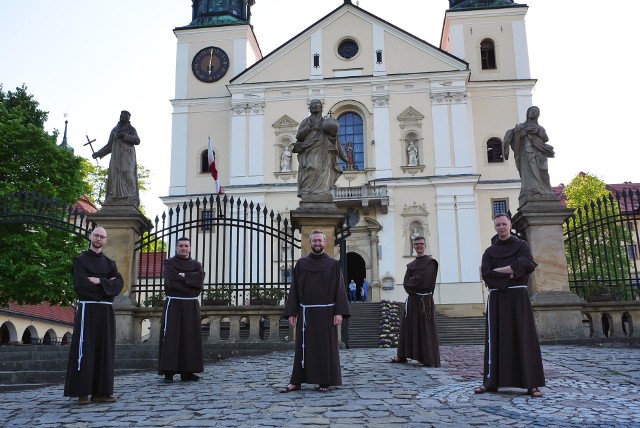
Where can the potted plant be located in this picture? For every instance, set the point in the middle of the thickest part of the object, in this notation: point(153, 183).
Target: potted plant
point(155, 300)
point(219, 295)
point(266, 296)
point(597, 292)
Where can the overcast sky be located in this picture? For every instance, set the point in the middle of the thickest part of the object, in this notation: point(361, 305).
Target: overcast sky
point(90, 60)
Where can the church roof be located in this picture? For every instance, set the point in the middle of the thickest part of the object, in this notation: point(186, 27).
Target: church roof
point(459, 63)
point(43, 311)
point(481, 4)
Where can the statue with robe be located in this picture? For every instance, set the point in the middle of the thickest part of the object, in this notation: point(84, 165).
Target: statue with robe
point(318, 152)
point(531, 152)
point(122, 182)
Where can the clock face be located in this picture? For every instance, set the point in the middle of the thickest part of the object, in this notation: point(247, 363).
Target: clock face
point(210, 64)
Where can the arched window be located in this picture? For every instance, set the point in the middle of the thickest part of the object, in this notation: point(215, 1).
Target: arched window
point(488, 54)
point(494, 150)
point(204, 162)
point(351, 136)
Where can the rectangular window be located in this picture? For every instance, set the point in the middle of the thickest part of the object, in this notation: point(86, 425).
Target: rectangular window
point(207, 219)
point(499, 206)
point(632, 251)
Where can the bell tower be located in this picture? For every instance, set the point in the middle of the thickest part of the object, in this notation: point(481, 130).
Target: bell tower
point(208, 13)
point(216, 46)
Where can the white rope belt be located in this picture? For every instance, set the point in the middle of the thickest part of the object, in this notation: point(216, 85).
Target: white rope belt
point(304, 322)
point(80, 348)
point(489, 325)
point(166, 313)
point(406, 302)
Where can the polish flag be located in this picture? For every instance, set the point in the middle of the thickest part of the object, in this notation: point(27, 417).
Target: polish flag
point(212, 168)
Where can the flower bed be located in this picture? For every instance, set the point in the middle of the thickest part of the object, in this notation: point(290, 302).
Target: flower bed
point(390, 323)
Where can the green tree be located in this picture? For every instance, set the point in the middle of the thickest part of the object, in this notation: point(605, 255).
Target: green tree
point(35, 261)
point(596, 238)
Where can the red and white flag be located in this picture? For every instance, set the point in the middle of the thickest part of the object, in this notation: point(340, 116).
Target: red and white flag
point(212, 168)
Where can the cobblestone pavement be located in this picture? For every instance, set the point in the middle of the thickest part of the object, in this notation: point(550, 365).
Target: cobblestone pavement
point(586, 386)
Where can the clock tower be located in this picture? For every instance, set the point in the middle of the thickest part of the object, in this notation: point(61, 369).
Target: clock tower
point(216, 46)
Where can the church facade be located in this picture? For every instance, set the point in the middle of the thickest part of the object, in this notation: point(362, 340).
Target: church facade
point(422, 126)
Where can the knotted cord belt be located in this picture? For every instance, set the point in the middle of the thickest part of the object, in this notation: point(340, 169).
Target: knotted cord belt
point(84, 303)
point(489, 324)
point(304, 322)
point(166, 312)
point(406, 302)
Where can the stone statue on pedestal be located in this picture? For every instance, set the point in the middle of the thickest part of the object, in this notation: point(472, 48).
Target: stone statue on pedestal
point(318, 151)
point(528, 141)
point(122, 182)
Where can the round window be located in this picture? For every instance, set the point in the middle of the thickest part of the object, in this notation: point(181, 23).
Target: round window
point(348, 48)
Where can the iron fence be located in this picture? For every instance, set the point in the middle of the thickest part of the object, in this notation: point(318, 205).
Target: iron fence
point(246, 250)
point(601, 243)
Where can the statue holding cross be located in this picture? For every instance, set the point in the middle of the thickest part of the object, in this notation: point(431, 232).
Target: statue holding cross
point(122, 182)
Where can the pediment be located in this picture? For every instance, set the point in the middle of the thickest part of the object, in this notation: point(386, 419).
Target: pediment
point(293, 61)
point(410, 115)
point(285, 122)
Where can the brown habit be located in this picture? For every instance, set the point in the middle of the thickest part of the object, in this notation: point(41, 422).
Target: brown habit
point(317, 280)
point(512, 352)
point(181, 344)
point(418, 337)
point(93, 374)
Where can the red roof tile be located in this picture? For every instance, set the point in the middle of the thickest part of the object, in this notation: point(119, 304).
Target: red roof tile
point(46, 311)
point(150, 264)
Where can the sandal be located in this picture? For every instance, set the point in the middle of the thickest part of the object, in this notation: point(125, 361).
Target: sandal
point(482, 389)
point(322, 388)
point(534, 392)
point(396, 360)
point(288, 388)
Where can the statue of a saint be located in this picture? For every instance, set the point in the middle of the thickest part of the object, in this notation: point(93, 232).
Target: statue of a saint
point(122, 183)
point(318, 151)
point(412, 153)
point(528, 141)
point(350, 164)
point(285, 160)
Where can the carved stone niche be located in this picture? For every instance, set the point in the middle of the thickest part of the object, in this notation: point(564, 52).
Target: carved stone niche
point(285, 130)
point(388, 281)
point(414, 223)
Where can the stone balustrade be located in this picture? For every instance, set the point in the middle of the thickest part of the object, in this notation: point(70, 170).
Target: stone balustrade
point(611, 320)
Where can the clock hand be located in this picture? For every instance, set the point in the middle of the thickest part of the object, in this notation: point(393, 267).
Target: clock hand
point(210, 60)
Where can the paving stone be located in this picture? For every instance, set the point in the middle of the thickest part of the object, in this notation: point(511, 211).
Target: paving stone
point(585, 387)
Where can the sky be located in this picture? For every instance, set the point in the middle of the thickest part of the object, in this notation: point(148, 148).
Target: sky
point(90, 60)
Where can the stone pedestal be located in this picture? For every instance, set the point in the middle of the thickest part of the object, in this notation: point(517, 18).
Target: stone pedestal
point(124, 225)
point(557, 310)
point(322, 216)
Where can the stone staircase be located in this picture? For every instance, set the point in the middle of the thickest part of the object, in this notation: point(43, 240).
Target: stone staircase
point(31, 366)
point(364, 327)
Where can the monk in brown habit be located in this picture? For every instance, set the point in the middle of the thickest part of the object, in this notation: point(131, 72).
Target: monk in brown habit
point(418, 338)
point(93, 347)
point(180, 333)
point(316, 306)
point(512, 352)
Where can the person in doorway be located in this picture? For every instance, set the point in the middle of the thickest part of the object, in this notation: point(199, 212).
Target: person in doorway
point(316, 306)
point(418, 338)
point(91, 366)
point(512, 355)
point(365, 289)
point(180, 334)
point(352, 292)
